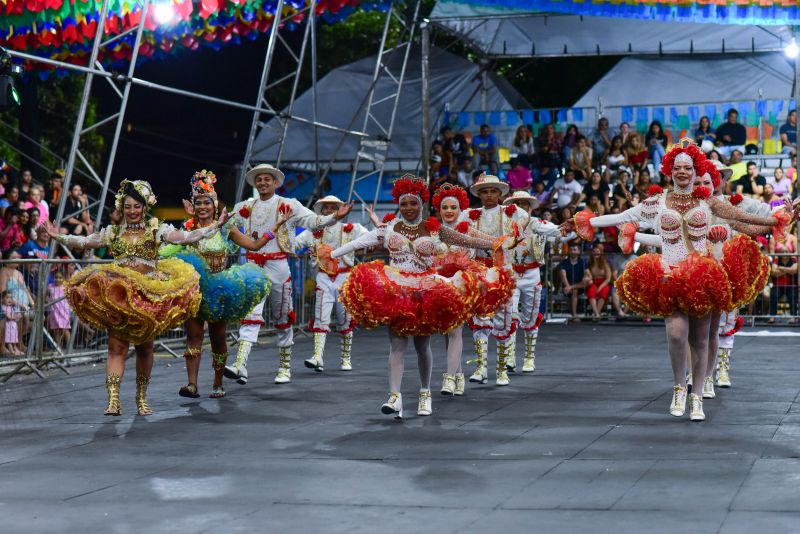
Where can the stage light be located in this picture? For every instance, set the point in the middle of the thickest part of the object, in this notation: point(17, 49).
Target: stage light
point(164, 13)
point(792, 50)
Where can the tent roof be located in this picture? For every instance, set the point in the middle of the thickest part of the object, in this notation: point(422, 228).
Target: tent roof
point(690, 80)
point(519, 33)
point(454, 83)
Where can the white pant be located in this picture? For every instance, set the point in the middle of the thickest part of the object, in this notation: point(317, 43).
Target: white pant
point(280, 306)
point(526, 300)
point(726, 323)
point(328, 301)
point(500, 325)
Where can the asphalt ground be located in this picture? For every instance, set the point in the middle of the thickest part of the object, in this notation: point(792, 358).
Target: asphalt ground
point(584, 444)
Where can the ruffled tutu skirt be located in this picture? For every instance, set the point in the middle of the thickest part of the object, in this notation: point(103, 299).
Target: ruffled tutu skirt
point(133, 306)
point(228, 295)
point(411, 304)
point(496, 284)
point(699, 284)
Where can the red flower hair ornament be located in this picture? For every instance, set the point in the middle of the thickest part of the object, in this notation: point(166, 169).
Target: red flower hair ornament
point(389, 217)
point(410, 185)
point(684, 146)
point(451, 191)
point(654, 190)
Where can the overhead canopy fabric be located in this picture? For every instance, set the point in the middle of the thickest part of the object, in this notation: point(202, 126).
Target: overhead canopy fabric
point(689, 80)
point(454, 86)
point(503, 32)
point(768, 12)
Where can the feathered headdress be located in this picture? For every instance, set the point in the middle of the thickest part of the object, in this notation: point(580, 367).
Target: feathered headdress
point(451, 191)
point(709, 168)
point(409, 184)
point(203, 184)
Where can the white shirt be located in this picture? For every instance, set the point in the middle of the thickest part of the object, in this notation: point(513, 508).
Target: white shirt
point(565, 191)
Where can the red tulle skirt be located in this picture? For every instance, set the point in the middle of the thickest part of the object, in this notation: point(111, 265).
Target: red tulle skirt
point(698, 284)
point(422, 304)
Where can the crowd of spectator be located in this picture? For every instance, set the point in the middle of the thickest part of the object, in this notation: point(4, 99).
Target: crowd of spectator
point(606, 171)
point(25, 203)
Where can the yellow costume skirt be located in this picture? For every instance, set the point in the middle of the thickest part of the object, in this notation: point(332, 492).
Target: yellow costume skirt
point(133, 306)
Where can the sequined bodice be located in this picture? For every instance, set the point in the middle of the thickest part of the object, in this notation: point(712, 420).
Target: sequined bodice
point(678, 230)
point(214, 251)
point(409, 255)
point(139, 245)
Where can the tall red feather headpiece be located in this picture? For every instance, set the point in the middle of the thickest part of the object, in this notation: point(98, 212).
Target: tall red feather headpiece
point(409, 184)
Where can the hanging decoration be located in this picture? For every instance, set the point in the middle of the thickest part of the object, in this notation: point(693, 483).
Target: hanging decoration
point(761, 12)
point(64, 30)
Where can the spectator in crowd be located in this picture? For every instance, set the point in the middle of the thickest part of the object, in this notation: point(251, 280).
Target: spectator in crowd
point(656, 142)
point(567, 191)
point(600, 273)
point(784, 285)
point(12, 281)
point(616, 157)
point(10, 233)
point(574, 276)
point(33, 222)
point(623, 191)
point(781, 185)
point(595, 206)
point(524, 146)
point(540, 194)
point(625, 134)
point(731, 135)
point(59, 311)
point(33, 249)
point(26, 183)
point(549, 153)
point(791, 172)
point(788, 133)
point(601, 140)
point(714, 155)
point(10, 199)
point(35, 200)
point(519, 178)
point(705, 132)
point(566, 213)
point(595, 188)
point(465, 173)
point(580, 159)
point(11, 338)
point(637, 154)
point(752, 183)
point(738, 166)
point(52, 193)
point(79, 222)
point(23, 220)
point(642, 185)
point(3, 180)
point(769, 196)
point(570, 140)
point(484, 150)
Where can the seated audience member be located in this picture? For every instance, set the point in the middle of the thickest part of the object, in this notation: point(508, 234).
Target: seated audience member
point(484, 150)
point(26, 182)
point(638, 157)
point(596, 188)
point(541, 194)
point(656, 142)
point(601, 141)
point(625, 134)
point(769, 197)
point(36, 200)
point(705, 132)
point(524, 147)
point(77, 221)
point(600, 287)
point(781, 184)
point(788, 133)
point(574, 276)
point(570, 140)
point(752, 183)
point(549, 149)
point(731, 135)
point(519, 178)
point(580, 159)
point(738, 166)
point(567, 191)
point(10, 233)
point(616, 158)
point(623, 190)
point(642, 184)
point(11, 198)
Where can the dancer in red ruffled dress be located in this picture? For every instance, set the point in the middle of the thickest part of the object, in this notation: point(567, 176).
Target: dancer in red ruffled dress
point(418, 293)
point(684, 283)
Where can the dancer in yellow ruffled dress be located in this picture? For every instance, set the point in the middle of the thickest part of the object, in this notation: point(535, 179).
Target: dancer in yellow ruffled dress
point(137, 297)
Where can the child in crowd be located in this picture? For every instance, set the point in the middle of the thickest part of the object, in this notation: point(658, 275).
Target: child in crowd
point(12, 315)
point(58, 320)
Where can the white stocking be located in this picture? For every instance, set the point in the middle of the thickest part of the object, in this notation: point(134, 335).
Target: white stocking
point(397, 351)
point(455, 346)
point(422, 344)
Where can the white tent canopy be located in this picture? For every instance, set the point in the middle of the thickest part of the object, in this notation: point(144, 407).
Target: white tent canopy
point(454, 83)
point(688, 80)
point(511, 33)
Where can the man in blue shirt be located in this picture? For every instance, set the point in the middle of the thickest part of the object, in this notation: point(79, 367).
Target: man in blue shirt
point(32, 250)
point(484, 151)
point(574, 276)
point(789, 133)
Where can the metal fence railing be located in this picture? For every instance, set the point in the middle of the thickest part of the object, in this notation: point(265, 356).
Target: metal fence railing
point(32, 305)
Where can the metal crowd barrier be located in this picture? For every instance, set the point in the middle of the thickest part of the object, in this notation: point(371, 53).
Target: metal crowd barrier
point(45, 348)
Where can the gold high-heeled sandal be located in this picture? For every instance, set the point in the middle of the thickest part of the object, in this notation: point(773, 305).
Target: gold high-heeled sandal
point(114, 407)
point(141, 396)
